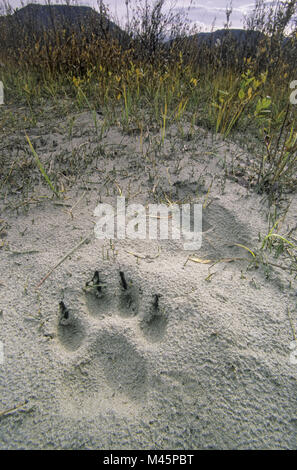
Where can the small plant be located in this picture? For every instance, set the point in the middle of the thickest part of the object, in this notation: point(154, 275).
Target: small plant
point(282, 247)
point(164, 120)
point(232, 104)
point(82, 96)
point(279, 161)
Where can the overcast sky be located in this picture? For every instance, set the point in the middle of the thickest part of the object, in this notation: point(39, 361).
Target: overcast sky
point(201, 12)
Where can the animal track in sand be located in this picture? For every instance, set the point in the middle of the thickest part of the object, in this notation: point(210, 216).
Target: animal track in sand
point(114, 369)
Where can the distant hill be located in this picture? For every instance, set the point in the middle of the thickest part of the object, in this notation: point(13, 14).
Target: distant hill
point(240, 42)
point(241, 36)
point(35, 18)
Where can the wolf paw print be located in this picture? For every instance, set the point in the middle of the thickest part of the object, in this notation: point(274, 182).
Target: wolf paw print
point(109, 366)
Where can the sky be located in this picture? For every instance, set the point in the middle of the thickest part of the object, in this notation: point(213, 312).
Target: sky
point(203, 13)
point(200, 12)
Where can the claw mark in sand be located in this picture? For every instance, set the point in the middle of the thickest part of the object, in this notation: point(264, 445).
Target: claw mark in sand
point(97, 301)
point(129, 298)
point(70, 329)
point(154, 324)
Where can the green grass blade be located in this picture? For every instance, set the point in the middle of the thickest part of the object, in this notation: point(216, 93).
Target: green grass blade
point(41, 168)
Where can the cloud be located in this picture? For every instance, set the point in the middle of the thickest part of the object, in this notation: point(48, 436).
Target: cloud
point(199, 12)
point(205, 14)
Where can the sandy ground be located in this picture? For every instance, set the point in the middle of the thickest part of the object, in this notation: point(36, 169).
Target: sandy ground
point(185, 356)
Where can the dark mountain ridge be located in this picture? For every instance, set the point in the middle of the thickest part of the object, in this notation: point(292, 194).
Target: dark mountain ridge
point(239, 35)
point(35, 18)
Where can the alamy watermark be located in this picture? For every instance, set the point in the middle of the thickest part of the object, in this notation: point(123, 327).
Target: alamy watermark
point(293, 353)
point(1, 353)
point(293, 95)
point(1, 93)
point(155, 221)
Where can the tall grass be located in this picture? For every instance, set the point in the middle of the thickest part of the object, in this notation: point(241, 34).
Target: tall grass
point(224, 86)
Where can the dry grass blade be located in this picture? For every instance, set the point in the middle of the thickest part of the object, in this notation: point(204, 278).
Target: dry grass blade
point(245, 248)
point(201, 261)
point(13, 409)
point(41, 168)
point(64, 258)
point(214, 261)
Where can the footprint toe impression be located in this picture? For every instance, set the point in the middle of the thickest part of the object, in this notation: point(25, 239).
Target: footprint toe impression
point(70, 329)
point(129, 298)
point(154, 324)
point(96, 298)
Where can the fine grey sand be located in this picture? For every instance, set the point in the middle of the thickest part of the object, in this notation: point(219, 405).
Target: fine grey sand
point(188, 355)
